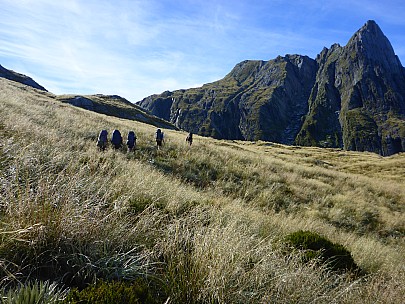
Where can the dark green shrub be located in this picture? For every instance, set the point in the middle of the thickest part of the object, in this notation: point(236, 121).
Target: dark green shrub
point(336, 256)
point(115, 292)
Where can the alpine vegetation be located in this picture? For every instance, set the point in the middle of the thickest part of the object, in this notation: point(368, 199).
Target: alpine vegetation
point(171, 222)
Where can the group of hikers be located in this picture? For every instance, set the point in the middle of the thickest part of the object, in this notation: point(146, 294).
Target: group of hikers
point(117, 140)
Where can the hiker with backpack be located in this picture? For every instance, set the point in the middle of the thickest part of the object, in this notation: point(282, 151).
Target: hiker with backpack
point(189, 138)
point(159, 138)
point(131, 141)
point(116, 139)
point(102, 140)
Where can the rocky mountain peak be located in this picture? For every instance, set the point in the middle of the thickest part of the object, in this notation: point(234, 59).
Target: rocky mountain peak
point(369, 33)
point(370, 43)
point(351, 97)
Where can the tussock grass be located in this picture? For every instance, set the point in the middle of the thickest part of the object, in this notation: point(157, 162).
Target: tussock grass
point(204, 223)
point(34, 292)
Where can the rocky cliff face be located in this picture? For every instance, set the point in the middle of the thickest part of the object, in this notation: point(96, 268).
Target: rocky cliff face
point(256, 100)
point(358, 101)
point(352, 97)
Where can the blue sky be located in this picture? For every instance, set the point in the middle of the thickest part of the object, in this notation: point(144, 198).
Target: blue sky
point(142, 47)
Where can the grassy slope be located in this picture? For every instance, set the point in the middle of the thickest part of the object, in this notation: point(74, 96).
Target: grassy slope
point(203, 221)
point(118, 107)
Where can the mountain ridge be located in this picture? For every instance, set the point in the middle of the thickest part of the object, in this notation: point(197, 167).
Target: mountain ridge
point(112, 105)
point(17, 77)
point(350, 97)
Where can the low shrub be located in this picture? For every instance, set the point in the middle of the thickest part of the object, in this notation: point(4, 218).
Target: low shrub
point(315, 246)
point(115, 292)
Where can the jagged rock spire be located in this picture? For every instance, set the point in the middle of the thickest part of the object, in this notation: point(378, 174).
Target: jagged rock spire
point(351, 96)
point(371, 42)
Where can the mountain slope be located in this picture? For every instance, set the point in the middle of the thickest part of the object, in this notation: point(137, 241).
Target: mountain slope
point(358, 100)
point(14, 76)
point(114, 105)
point(256, 100)
point(198, 224)
point(351, 97)
point(111, 105)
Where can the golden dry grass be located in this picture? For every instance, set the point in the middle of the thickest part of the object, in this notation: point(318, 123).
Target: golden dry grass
point(206, 221)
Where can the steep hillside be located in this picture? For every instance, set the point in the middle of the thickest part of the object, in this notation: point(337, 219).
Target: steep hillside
point(14, 76)
point(116, 106)
point(199, 224)
point(358, 101)
point(256, 100)
point(111, 105)
point(352, 97)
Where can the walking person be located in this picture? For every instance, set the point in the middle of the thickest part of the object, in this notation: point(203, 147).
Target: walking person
point(131, 141)
point(159, 138)
point(116, 139)
point(102, 140)
point(189, 138)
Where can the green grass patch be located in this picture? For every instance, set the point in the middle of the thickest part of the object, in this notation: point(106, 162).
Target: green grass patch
point(116, 292)
point(315, 246)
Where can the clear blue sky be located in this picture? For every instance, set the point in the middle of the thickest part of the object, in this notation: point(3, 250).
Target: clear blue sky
point(141, 47)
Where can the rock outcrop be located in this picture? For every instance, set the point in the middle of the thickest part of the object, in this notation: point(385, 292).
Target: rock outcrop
point(358, 101)
point(352, 97)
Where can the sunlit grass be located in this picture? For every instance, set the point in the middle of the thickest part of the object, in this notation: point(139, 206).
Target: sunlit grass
point(203, 222)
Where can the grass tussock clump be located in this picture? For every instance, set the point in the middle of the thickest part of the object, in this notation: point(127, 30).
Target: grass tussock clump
point(335, 256)
point(198, 224)
point(224, 262)
point(33, 293)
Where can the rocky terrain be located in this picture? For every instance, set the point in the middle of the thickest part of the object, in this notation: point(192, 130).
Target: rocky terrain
point(350, 97)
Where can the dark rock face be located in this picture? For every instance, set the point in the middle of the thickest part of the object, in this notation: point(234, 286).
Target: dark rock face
point(359, 96)
point(256, 100)
point(17, 77)
point(82, 102)
point(352, 97)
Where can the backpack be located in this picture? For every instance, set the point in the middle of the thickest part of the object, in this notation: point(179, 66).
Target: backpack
point(131, 139)
point(102, 139)
point(103, 135)
point(116, 139)
point(189, 137)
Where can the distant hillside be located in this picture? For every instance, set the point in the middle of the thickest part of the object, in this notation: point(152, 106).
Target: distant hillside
point(14, 76)
point(114, 105)
point(350, 97)
point(111, 105)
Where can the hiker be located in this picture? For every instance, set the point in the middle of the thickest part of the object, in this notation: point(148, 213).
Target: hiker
point(131, 141)
point(189, 138)
point(102, 140)
point(116, 139)
point(159, 138)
